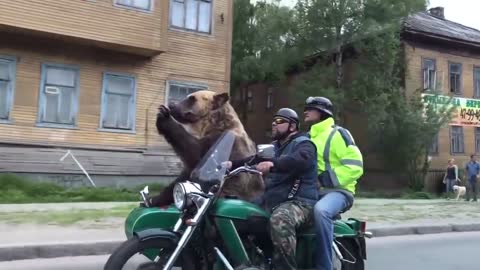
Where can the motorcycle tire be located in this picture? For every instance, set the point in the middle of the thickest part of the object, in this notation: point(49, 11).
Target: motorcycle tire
point(129, 248)
point(352, 247)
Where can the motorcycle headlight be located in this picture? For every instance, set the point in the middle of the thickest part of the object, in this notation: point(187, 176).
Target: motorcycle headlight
point(179, 196)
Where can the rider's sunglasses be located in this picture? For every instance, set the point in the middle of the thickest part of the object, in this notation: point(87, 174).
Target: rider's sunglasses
point(279, 121)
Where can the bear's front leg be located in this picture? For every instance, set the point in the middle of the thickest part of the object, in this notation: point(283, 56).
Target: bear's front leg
point(187, 147)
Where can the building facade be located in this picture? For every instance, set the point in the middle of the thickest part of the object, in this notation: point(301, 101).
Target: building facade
point(443, 57)
point(89, 75)
point(440, 55)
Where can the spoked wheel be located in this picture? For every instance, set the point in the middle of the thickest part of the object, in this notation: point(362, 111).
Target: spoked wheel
point(352, 259)
point(129, 256)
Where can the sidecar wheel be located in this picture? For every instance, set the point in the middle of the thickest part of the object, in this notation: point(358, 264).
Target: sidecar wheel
point(133, 246)
point(348, 250)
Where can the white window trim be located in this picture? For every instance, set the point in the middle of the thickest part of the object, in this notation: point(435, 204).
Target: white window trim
point(132, 114)
point(136, 8)
point(181, 83)
point(185, 30)
point(13, 81)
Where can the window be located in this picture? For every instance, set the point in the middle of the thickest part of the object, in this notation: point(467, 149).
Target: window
point(178, 91)
point(118, 102)
point(476, 82)
point(434, 146)
point(269, 98)
point(455, 71)
point(193, 15)
point(249, 100)
point(429, 74)
point(456, 140)
point(477, 139)
point(7, 86)
point(58, 94)
point(138, 4)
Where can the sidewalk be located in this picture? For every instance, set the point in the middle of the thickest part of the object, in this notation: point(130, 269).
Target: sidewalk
point(79, 229)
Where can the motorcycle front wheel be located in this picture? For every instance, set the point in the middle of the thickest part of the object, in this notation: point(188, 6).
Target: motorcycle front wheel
point(119, 259)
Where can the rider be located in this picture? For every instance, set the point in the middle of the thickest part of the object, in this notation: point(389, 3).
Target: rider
point(290, 189)
point(340, 165)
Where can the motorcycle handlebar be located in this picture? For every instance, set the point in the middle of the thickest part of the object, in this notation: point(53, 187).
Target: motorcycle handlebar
point(241, 169)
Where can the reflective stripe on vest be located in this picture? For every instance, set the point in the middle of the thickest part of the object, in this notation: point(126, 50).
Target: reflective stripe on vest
point(326, 158)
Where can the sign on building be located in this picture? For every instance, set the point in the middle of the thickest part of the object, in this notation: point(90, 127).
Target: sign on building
point(466, 112)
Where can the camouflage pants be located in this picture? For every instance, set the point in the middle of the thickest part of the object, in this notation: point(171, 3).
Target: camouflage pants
point(284, 222)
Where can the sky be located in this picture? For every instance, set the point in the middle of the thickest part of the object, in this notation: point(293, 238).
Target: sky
point(461, 11)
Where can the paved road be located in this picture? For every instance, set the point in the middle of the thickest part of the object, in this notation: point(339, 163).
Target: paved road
point(448, 251)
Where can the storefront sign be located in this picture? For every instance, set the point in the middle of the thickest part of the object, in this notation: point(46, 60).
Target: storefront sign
point(466, 112)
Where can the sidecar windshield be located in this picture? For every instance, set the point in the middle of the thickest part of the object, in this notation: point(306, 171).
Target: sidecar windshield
point(210, 169)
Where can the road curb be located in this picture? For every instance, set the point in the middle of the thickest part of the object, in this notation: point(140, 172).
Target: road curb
point(55, 250)
point(426, 229)
point(70, 249)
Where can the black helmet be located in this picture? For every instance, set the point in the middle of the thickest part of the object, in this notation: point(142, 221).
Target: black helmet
point(288, 114)
point(322, 104)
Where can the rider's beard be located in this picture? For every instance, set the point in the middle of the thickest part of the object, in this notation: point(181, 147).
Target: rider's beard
point(278, 136)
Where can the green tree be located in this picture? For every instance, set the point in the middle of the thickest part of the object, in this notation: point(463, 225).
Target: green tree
point(406, 133)
point(263, 45)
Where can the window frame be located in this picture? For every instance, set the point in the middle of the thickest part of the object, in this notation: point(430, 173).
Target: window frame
point(103, 103)
point(434, 148)
point(184, 29)
point(116, 4)
point(460, 91)
point(424, 59)
point(249, 101)
point(475, 79)
point(12, 87)
point(269, 98)
point(477, 139)
point(188, 84)
point(461, 151)
point(42, 101)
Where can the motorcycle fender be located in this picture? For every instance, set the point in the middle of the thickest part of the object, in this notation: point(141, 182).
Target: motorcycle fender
point(360, 244)
point(363, 247)
point(156, 233)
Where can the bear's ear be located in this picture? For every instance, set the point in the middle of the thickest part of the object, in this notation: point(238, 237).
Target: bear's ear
point(219, 100)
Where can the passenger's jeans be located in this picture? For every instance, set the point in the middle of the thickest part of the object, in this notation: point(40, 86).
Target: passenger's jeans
point(324, 212)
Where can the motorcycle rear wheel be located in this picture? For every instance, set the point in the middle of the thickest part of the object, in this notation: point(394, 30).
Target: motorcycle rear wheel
point(129, 248)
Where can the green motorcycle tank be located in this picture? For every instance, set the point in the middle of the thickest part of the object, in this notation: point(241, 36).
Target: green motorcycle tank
point(237, 209)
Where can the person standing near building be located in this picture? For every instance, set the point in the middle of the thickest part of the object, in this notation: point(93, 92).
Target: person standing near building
point(472, 170)
point(450, 177)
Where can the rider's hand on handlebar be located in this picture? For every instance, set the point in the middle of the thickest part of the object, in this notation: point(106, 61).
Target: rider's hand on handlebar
point(264, 166)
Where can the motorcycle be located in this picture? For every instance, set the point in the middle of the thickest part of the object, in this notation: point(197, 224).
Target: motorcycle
point(203, 230)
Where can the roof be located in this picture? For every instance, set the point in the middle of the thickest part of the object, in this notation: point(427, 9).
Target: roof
point(426, 24)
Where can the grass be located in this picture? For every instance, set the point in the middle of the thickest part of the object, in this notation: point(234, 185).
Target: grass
point(66, 217)
point(405, 194)
point(14, 189)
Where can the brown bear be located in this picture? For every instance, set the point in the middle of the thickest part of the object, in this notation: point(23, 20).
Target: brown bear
point(192, 126)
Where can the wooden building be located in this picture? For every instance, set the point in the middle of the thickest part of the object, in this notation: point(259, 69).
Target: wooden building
point(441, 55)
point(89, 75)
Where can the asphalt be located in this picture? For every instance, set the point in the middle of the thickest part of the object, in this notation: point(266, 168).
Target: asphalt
point(28, 241)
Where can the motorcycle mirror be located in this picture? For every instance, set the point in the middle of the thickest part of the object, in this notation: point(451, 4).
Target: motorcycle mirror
point(145, 190)
point(145, 198)
point(265, 150)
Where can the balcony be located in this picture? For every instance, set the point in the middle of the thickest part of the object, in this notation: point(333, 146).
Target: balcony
point(102, 23)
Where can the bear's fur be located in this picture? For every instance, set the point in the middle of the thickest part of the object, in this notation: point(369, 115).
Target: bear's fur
point(192, 126)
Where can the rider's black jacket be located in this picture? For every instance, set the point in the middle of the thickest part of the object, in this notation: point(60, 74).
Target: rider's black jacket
point(294, 174)
point(297, 160)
